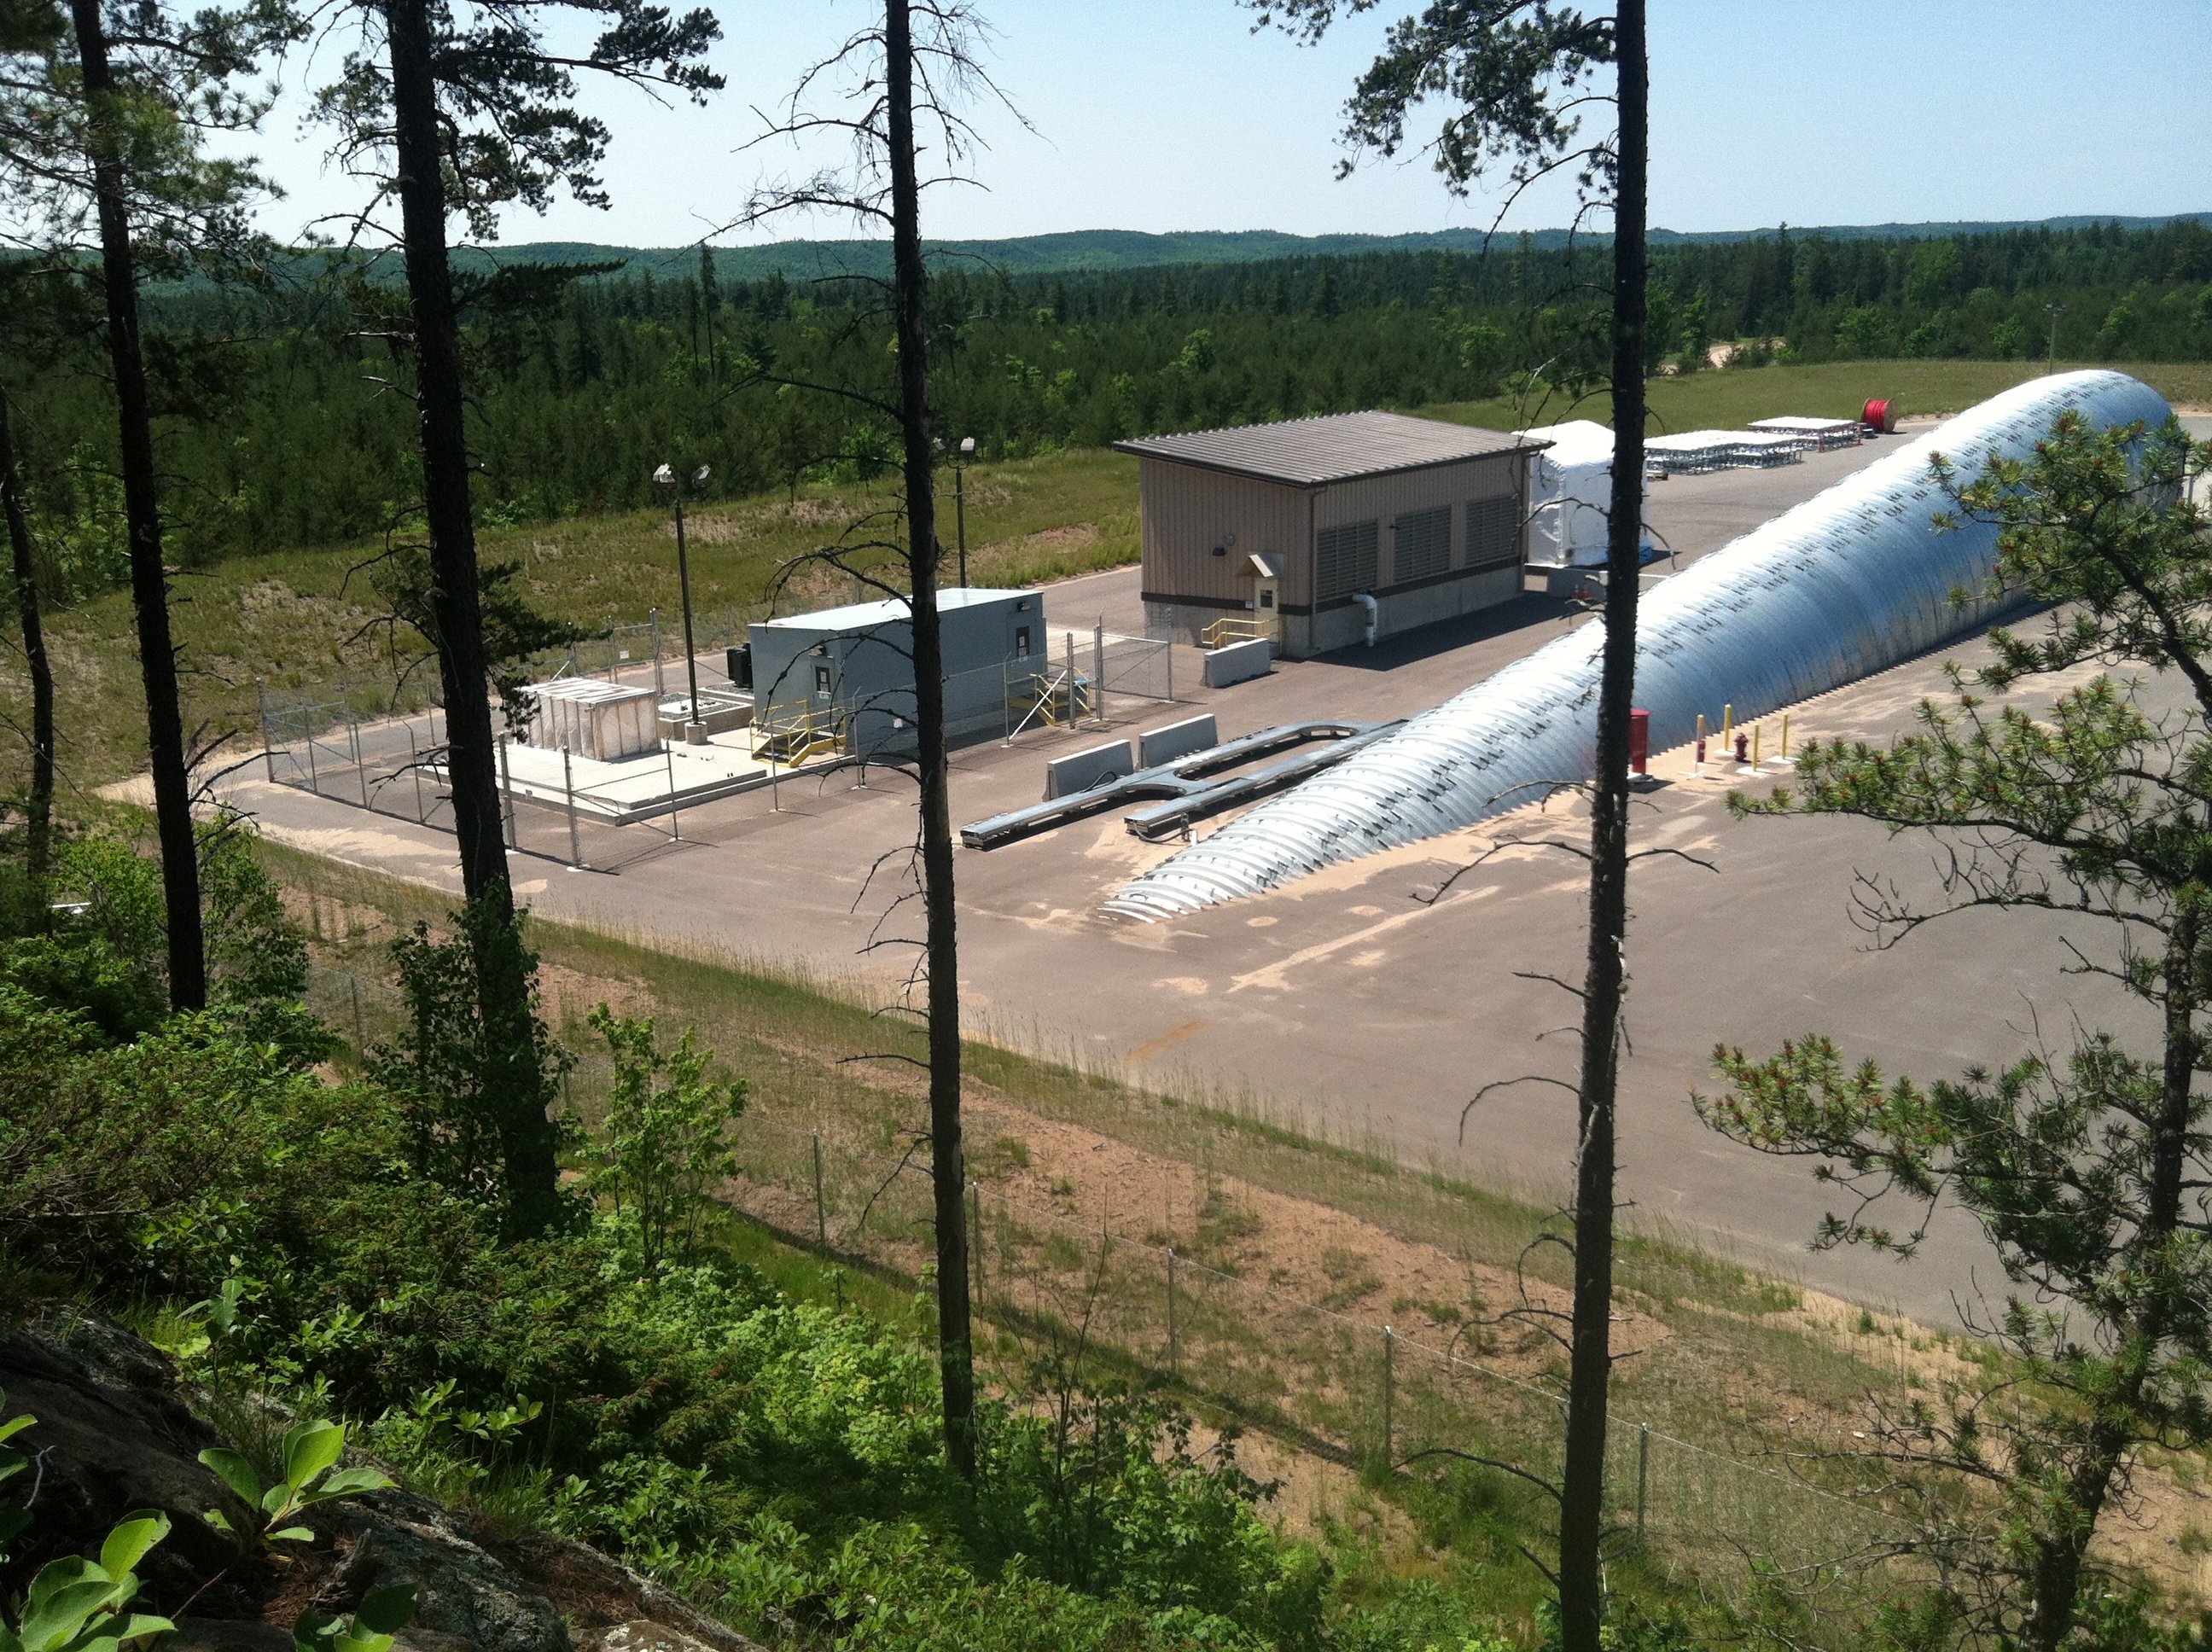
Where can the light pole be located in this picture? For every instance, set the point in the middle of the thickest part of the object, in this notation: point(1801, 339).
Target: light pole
point(960, 500)
point(695, 731)
point(2050, 360)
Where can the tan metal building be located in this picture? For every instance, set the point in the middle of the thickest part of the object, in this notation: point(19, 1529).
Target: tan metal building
point(1310, 530)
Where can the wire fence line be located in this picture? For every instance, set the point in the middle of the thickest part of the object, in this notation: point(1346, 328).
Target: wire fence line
point(1367, 1393)
point(1363, 1392)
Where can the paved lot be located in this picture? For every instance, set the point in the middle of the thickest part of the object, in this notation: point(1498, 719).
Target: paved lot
point(1344, 1000)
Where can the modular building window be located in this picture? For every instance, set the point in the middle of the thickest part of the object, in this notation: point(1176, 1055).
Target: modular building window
point(1424, 545)
point(821, 682)
point(1343, 560)
point(1021, 642)
point(1493, 533)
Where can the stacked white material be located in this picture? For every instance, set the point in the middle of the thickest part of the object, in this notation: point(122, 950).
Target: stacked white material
point(1571, 495)
point(1825, 433)
point(1845, 585)
point(591, 719)
point(1693, 452)
point(1762, 450)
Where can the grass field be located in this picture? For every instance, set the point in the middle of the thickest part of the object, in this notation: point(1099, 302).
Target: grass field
point(1726, 401)
point(306, 617)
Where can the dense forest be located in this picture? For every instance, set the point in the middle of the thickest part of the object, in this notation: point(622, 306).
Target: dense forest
point(584, 379)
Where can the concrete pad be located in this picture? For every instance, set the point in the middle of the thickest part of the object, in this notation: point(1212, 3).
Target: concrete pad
point(1352, 1007)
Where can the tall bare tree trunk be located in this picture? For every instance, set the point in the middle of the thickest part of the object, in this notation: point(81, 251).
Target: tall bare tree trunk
point(39, 806)
point(142, 510)
point(1589, 1370)
point(513, 1078)
point(948, 1162)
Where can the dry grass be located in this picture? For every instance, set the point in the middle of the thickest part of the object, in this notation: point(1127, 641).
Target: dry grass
point(301, 618)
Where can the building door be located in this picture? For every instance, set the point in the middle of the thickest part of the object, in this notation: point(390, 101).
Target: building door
point(1264, 609)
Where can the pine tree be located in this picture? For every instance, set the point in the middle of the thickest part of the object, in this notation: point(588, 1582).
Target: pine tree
point(468, 116)
point(1501, 67)
point(2087, 1172)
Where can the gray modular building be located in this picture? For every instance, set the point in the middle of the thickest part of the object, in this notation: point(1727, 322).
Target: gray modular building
point(853, 666)
point(1297, 525)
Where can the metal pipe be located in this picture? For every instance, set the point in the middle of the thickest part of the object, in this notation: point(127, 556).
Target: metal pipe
point(1374, 614)
point(507, 792)
point(568, 785)
point(691, 718)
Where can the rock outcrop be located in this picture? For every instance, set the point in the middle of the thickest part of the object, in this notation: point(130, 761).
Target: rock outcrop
point(114, 1433)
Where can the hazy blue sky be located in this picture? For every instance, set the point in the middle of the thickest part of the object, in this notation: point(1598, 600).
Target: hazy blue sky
point(1172, 114)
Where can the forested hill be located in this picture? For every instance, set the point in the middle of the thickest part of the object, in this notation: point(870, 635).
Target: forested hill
point(580, 388)
point(1129, 249)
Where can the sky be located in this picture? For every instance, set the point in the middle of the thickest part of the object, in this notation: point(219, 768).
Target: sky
point(1169, 115)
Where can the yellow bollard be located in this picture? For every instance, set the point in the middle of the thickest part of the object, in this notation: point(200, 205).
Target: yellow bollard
point(1785, 734)
point(1699, 763)
point(1757, 729)
point(1727, 728)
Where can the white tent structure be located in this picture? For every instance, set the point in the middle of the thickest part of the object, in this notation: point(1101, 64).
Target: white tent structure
point(1570, 495)
point(1845, 585)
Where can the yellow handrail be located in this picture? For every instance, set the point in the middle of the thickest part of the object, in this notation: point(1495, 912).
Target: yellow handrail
point(1057, 701)
point(1235, 629)
point(798, 733)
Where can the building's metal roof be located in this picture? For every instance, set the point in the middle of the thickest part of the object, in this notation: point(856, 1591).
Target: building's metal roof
point(1334, 447)
point(1844, 584)
point(893, 610)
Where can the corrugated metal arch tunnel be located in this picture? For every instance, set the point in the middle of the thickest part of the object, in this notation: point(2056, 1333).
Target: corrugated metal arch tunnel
point(1843, 586)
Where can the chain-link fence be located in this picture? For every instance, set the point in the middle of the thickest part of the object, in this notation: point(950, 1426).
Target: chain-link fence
point(1103, 1306)
point(1362, 1393)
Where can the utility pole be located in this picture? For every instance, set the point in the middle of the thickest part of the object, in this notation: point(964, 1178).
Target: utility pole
point(2051, 357)
point(960, 500)
point(695, 727)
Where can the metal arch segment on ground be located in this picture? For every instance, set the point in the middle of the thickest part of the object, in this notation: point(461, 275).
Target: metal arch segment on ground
point(1848, 583)
point(1187, 783)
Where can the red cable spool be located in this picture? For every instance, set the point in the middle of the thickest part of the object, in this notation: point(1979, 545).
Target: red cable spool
point(1880, 417)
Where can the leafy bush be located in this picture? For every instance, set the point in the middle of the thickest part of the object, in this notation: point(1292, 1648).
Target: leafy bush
point(664, 1143)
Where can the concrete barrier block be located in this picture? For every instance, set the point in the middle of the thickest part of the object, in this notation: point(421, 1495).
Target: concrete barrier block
point(1080, 771)
point(1164, 745)
point(1239, 661)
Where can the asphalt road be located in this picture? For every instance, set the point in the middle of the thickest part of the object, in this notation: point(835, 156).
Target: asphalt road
point(1347, 1003)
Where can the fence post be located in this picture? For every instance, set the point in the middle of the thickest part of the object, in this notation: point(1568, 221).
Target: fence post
point(307, 722)
point(1389, 1393)
point(575, 669)
point(1098, 671)
point(360, 1032)
point(415, 767)
point(1074, 710)
point(568, 788)
point(1170, 648)
point(268, 752)
point(658, 691)
point(976, 1238)
point(1175, 1351)
point(821, 1210)
point(675, 818)
point(359, 768)
point(507, 792)
point(1643, 1473)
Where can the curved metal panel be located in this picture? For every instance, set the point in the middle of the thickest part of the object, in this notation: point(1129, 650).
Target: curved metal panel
point(1844, 584)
